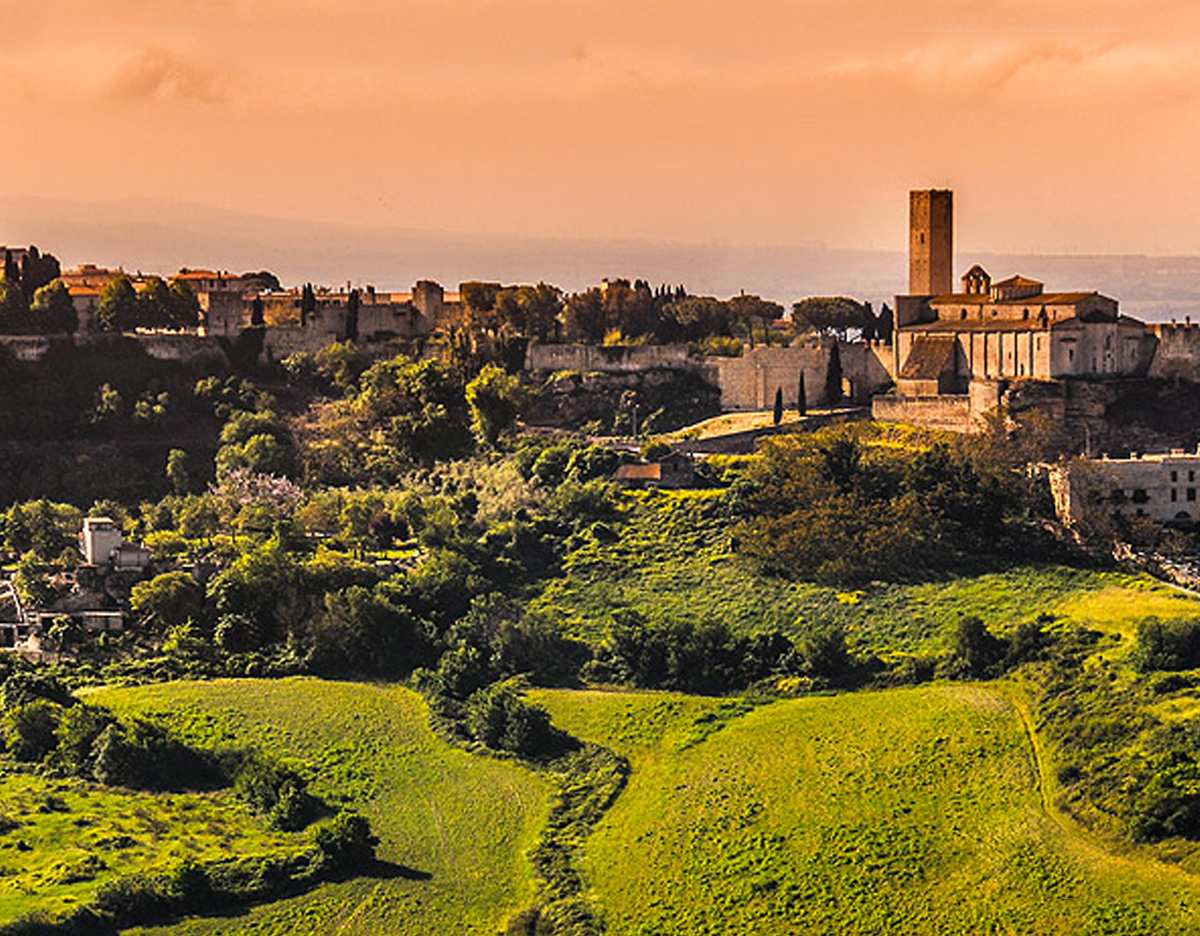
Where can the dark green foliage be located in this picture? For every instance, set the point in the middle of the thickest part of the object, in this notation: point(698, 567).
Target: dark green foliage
point(144, 756)
point(801, 397)
point(1167, 645)
point(275, 792)
point(345, 842)
point(974, 647)
point(30, 730)
point(834, 510)
point(498, 717)
point(704, 658)
point(778, 412)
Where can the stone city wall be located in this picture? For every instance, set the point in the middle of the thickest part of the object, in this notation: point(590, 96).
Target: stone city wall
point(604, 359)
point(951, 413)
point(1178, 351)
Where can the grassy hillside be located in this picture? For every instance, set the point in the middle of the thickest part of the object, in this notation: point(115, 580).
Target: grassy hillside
point(455, 826)
point(671, 559)
point(907, 811)
point(61, 840)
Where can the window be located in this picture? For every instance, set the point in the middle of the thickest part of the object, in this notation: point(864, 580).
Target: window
point(1117, 496)
point(1070, 354)
point(964, 314)
point(1174, 495)
point(1191, 494)
point(1191, 475)
point(1025, 315)
point(1140, 496)
point(1174, 476)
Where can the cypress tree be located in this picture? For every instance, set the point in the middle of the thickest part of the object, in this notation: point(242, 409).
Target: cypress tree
point(833, 377)
point(778, 405)
point(801, 397)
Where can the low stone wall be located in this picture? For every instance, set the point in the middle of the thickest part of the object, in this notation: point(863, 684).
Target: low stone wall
point(951, 413)
point(614, 359)
point(28, 347)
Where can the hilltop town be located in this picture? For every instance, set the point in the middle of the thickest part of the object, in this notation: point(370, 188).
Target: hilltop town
point(285, 566)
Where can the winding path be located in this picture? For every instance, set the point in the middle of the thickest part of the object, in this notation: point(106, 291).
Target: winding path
point(1075, 835)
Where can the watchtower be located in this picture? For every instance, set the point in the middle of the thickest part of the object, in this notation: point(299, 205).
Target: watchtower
point(930, 242)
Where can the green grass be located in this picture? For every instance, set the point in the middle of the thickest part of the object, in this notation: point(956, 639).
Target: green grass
point(462, 820)
point(673, 560)
point(62, 839)
point(908, 811)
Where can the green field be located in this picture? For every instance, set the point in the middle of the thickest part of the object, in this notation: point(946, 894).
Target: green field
point(672, 560)
point(454, 826)
point(907, 811)
point(60, 840)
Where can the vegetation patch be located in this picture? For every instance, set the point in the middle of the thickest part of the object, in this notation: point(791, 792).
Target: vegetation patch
point(909, 810)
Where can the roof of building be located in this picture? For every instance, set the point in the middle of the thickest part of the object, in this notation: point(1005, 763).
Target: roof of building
point(1019, 281)
point(651, 472)
point(1041, 299)
point(928, 358)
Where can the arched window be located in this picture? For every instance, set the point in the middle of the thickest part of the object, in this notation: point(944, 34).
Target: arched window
point(1025, 314)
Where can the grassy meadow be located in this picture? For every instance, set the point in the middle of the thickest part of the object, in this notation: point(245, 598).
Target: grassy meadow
point(454, 827)
point(671, 559)
point(907, 811)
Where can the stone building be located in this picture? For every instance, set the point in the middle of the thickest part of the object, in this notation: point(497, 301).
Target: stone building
point(947, 343)
point(1163, 487)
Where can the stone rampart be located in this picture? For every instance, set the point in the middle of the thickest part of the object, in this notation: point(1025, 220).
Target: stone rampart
point(948, 412)
point(607, 359)
point(1178, 351)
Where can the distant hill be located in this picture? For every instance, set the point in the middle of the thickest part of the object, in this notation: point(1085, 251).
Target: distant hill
point(163, 236)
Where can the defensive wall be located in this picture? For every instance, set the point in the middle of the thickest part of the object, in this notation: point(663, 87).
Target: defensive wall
point(1178, 350)
point(184, 347)
point(747, 382)
point(951, 412)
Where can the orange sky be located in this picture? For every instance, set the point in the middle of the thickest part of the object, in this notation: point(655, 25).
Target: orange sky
point(1063, 125)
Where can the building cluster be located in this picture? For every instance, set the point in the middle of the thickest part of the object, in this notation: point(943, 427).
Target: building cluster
point(230, 303)
point(1162, 487)
point(96, 598)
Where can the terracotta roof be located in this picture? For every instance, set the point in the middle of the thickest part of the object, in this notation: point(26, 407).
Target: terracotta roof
point(1018, 281)
point(639, 472)
point(928, 358)
point(84, 290)
point(975, 270)
point(1059, 298)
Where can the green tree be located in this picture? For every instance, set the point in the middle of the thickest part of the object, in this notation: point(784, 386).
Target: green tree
point(168, 600)
point(52, 310)
point(801, 397)
point(107, 407)
point(177, 471)
point(778, 414)
point(14, 313)
point(118, 309)
point(833, 377)
point(32, 580)
point(495, 398)
point(836, 315)
point(754, 311)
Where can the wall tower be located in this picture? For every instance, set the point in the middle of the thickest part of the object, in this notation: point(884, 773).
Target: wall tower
point(930, 242)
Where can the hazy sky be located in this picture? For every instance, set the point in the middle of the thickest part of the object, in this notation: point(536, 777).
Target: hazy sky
point(1063, 125)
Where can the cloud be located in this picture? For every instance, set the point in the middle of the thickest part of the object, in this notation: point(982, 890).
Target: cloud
point(156, 74)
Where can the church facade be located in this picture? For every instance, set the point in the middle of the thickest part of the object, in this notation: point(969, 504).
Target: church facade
point(1008, 330)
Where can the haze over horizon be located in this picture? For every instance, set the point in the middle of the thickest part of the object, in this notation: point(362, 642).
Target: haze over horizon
point(1064, 127)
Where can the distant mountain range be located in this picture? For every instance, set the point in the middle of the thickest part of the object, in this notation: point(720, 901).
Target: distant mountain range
point(162, 236)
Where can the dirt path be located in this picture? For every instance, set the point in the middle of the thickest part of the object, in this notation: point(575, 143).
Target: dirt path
point(1075, 836)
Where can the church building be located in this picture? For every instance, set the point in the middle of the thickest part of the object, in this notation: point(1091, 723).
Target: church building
point(1011, 329)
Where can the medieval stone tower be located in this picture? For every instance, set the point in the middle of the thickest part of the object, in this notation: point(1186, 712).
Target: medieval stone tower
point(930, 242)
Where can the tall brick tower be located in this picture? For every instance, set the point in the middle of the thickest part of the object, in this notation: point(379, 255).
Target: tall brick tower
point(930, 242)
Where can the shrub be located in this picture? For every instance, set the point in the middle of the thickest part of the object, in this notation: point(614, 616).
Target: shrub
point(1167, 645)
point(30, 729)
point(345, 841)
point(276, 792)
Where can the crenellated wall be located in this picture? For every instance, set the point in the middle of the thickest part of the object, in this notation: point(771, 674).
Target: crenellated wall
point(1178, 350)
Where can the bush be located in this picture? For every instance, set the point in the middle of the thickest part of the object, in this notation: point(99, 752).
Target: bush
point(345, 842)
point(498, 717)
point(31, 730)
point(1167, 645)
point(276, 792)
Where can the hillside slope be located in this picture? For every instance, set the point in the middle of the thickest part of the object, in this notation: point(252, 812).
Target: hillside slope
point(455, 826)
point(908, 811)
